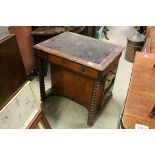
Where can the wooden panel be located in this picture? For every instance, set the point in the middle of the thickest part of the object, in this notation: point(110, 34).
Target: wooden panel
point(130, 121)
point(39, 122)
point(25, 43)
point(141, 93)
point(147, 47)
point(72, 84)
point(12, 72)
point(100, 94)
point(74, 66)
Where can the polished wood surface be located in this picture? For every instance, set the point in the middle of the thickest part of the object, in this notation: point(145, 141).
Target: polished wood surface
point(147, 47)
point(25, 42)
point(82, 69)
point(141, 94)
point(39, 118)
point(81, 49)
point(12, 72)
point(42, 33)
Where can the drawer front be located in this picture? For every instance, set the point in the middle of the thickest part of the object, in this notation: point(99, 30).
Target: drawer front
point(74, 66)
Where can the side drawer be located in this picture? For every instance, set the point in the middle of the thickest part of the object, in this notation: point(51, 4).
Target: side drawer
point(87, 71)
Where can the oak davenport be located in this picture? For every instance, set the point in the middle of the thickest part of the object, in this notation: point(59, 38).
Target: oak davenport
point(82, 69)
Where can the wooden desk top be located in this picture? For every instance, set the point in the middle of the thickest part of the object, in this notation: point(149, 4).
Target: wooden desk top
point(141, 94)
point(82, 49)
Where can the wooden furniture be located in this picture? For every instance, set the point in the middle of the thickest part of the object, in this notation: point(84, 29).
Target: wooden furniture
point(39, 122)
point(25, 43)
point(135, 42)
point(23, 110)
point(141, 93)
point(146, 47)
point(42, 33)
point(12, 72)
point(82, 69)
point(19, 107)
point(149, 46)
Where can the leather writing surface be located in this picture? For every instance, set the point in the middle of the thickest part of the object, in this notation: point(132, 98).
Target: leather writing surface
point(12, 72)
point(81, 46)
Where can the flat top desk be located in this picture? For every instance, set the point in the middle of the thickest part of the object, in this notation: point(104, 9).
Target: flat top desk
point(80, 66)
point(141, 94)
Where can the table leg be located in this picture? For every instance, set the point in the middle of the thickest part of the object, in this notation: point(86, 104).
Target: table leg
point(93, 107)
point(41, 79)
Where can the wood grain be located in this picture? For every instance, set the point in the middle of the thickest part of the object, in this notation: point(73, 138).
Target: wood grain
point(141, 94)
point(78, 72)
point(40, 117)
point(12, 71)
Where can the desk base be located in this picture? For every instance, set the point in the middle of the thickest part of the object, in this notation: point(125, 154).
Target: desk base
point(88, 91)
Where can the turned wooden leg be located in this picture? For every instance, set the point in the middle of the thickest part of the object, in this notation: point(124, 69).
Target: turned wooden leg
point(41, 79)
point(93, 107)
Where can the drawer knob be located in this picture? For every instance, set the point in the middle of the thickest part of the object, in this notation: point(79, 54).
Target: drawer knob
point(82, 69)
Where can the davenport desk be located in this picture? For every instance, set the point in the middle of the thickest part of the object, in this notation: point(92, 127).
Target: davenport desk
point(82, 69)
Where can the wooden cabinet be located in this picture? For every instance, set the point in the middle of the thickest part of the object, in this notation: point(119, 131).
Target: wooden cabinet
point(82, 69)
point(12, 72)
point(19, 107)
point(25, 43)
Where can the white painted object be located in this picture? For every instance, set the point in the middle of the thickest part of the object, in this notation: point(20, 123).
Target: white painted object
point(139, 126)
point(20, 110)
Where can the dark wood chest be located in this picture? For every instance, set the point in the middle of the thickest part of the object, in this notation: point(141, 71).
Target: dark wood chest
point(82, 69)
